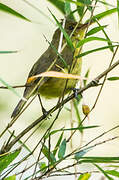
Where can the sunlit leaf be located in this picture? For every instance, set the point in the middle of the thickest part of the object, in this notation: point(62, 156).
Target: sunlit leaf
point(113, 172)
point(11, 178)
point(53, 74)
point(85, 176)
point(42, 166)
point(6, 159)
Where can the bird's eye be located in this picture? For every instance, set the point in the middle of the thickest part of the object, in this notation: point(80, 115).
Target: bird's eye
point(71, 28)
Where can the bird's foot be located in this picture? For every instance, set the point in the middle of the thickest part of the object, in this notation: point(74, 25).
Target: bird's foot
point(76, 95)
point(45, 113)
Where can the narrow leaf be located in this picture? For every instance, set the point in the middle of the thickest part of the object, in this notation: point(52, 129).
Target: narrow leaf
point(58, 144)
point(70, 129)
point(7, 52)
point(60, 56)
point(10, 88)
point(85, 176)
point(78, 114)
point(113, 172)
point(67, 8)
point(6, 159)
point(58, 4)
point(107, 37)
point(62, 149)
point(105, 174)
point(11, 178)
point(86, 76)
point(9, 10)
point(48, 155)
point(95, 50)
point(80, 9)
point(95, 30)
point(68, 39)
point(86, 40)
point(118, 10)
point(81, 153)
point(103, 14)
point(113, 78)
point(42, 166)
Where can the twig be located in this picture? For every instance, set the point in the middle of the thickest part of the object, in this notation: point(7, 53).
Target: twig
point(89, 85)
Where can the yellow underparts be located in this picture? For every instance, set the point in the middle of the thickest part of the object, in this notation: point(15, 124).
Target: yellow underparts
point(54, 87)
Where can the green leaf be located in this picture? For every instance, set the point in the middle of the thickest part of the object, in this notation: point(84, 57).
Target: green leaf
point(85, 176)
point(48, 155)
point(68, 39)
point(70, 129)
point(67, 8)
point(113, 172)
point(80, 9)
point(80, 3)
point(6, 159)
point(62, 149)
point(102, 15)
point(9, 10)
point(95, 50)
point(10, 88)
point(118, 10)
point(95, 30)
point(105, 3)
point(113, 78)
point(78, 114)
point(42, 166)
point(86, 40)
point(20, 142)
point(91, 159)
point(11, 178)
point(107, 37)
point(7, 52)
point(81, 153)
point(59, 54)
point(86, 76)
point(58, 144)
point(105, 174)
point(58, 4)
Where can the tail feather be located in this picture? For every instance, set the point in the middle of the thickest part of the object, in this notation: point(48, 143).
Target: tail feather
point(18, 108)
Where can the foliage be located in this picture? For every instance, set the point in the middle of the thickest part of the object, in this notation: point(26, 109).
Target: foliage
point(50, 157)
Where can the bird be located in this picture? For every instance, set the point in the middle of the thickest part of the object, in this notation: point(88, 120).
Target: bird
point(52, 87)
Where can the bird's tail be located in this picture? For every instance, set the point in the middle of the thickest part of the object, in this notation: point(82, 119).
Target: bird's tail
point(18, 108)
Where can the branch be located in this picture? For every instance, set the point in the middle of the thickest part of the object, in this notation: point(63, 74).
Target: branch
point(93, 83)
